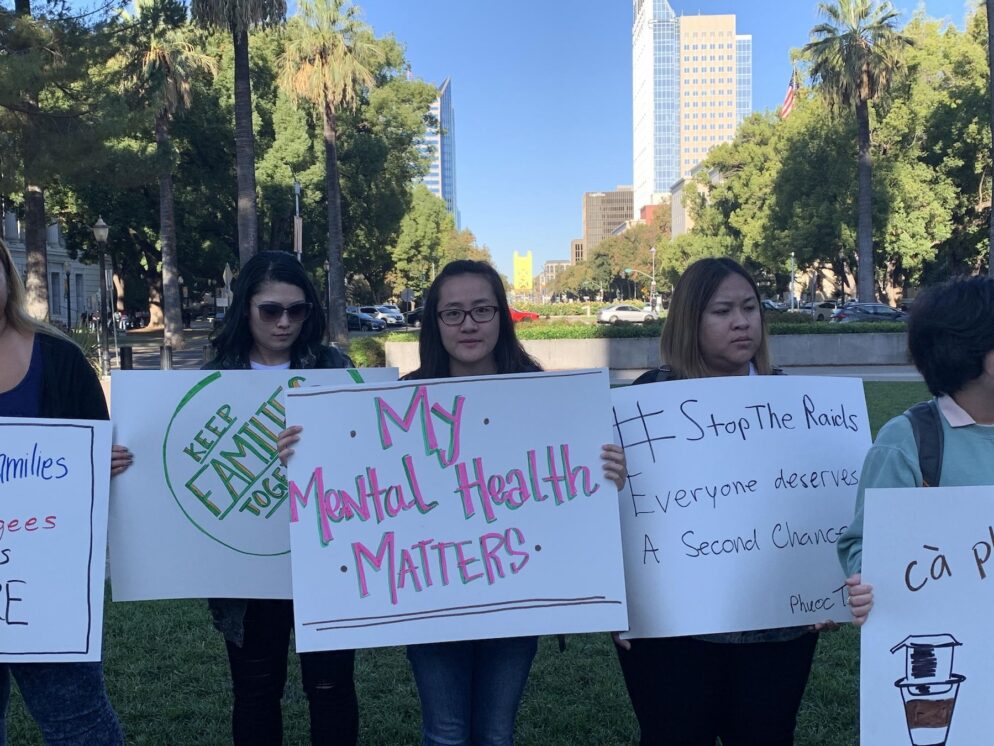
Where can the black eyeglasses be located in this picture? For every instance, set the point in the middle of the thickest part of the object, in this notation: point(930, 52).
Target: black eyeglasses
point(270, 313)
point(455, 316)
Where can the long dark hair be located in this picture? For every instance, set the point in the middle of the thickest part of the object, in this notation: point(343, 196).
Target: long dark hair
point(680, 344)
point(233, 341)
point(509, 355)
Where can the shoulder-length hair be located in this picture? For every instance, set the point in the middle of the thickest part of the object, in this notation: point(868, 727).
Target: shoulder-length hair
point(509, 355)
point(233, 341)
point(16, 312)
point(680, 344)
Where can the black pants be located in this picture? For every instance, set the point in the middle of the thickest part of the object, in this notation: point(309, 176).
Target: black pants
point(258, 677)
point(689, 692)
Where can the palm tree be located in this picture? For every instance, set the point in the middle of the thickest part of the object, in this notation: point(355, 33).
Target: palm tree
point(237, 16)
point(159, 63)
point(990, 87)
point(854, 56)
point(327, 62)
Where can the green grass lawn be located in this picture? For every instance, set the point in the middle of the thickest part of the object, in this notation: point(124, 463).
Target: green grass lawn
point(167, 675)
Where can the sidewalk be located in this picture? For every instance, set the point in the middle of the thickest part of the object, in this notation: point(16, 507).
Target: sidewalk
point(866, 372)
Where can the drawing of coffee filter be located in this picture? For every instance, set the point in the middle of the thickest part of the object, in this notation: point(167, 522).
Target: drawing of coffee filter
point(929, 687)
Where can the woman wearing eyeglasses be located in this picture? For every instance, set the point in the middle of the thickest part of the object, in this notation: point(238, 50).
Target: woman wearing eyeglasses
point(470, 690)
point(275, 323)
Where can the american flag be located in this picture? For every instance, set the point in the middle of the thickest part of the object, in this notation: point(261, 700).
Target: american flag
point(790, 98)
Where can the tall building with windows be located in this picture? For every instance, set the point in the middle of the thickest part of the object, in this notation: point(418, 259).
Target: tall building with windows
point(603, 212)
point(440, 145)
point(691, 87)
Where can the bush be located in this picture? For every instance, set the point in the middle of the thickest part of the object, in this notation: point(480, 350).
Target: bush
point(588, 331)
point(368, 352)
point(559, 309)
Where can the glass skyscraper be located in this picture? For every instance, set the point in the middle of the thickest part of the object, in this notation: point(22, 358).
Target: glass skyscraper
point(691, 87)
point(440, 145)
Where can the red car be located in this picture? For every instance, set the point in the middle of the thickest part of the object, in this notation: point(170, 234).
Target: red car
point(517, 315)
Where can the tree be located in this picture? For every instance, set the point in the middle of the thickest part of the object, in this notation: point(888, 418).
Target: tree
point(159, 61)
point(327, 61)
point(989, 5)
point(425, 230)
point(237, 17)
point(854, 57)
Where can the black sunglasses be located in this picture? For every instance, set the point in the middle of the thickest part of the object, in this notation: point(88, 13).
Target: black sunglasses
point(270, 313)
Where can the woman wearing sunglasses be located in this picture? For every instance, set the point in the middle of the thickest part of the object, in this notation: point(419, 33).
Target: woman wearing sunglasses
point(275, 323)
point(470, 690)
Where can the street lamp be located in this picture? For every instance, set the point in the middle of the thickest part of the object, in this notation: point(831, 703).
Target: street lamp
point(791, 279)
point(652, 292)
point(67, 271)
point(100, 231)
point(298, 222)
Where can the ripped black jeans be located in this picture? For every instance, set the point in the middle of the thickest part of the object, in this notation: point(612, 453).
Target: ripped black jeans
point(258, 678)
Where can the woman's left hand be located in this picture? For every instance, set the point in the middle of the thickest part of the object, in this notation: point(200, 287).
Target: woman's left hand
point(120, 459)
point(615, 466)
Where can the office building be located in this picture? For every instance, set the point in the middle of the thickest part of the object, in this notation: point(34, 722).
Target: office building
point(691, 87)
point(603, 212)
point(440, 145)
point(577, 252)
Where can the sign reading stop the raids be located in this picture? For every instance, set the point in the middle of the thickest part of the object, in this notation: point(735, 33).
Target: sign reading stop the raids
point(739, 489)
point(927, 651)
point(454, 509)
point(53, 538)
point(203, 512)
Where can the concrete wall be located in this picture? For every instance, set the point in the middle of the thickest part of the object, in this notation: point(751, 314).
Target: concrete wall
point(642, 353)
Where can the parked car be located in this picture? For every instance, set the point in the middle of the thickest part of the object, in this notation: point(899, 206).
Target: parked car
point(414, 317)
point(867, 312)
point(363, 322)
point(821, 310)
point(517, 315)
point(772, 305)
point(379, 312)
point(624, 312)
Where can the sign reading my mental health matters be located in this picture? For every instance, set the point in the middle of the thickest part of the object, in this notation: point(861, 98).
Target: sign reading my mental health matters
point(454, 509)
point(202, 511)
point(739, 489)
point(927, 650)
point(53, 536)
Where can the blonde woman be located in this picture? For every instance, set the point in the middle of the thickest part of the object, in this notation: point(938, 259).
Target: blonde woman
point(44, 374)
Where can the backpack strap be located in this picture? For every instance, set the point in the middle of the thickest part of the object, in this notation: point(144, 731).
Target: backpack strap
point(926, 424)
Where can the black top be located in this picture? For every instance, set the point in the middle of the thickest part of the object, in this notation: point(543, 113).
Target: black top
point(70, 388)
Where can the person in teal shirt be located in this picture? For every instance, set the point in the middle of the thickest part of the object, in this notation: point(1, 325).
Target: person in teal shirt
point(951, 339)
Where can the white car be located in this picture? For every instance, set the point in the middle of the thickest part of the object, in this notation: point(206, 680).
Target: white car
point(389, 317)
point(624, 312)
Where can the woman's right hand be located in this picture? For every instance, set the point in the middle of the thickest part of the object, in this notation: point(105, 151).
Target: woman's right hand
point(860, 598)
point(286, 442)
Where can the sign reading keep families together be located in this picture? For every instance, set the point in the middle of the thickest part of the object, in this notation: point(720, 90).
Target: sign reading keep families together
point(53, 522)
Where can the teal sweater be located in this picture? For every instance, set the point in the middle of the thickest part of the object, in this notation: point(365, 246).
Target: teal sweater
point(967, 460)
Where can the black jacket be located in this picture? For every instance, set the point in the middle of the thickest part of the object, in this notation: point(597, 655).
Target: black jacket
point(70, 388)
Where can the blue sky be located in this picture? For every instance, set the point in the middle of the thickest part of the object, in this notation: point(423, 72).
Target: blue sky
point(542, 96)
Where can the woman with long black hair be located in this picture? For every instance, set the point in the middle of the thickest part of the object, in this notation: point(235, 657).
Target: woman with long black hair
point(274, 322)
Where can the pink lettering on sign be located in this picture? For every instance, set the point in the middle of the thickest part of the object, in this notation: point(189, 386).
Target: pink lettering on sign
point(403, 568)
point(421, 409)
point(514, 488)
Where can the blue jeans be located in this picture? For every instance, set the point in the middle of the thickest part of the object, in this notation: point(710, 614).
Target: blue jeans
point(470, 690)
point(67, 700)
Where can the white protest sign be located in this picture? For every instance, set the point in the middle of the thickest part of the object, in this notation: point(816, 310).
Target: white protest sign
point(739, 490)
point(454, 509)
point(927, 654)
point(53, 538)
point(202, 511)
